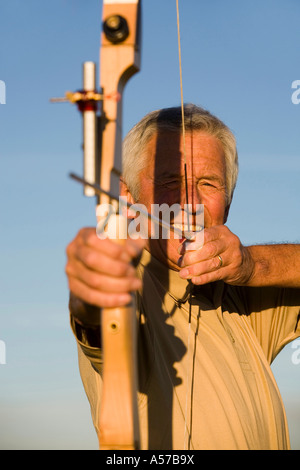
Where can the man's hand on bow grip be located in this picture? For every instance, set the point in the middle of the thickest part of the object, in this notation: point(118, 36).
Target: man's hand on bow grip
point(100, 272)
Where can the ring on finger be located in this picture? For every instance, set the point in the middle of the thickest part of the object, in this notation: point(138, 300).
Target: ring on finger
point(220, 261)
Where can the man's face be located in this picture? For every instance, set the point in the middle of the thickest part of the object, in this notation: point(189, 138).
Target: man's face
point(163, 182)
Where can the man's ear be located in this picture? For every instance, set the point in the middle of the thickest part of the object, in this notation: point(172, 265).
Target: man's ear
point(125, 193)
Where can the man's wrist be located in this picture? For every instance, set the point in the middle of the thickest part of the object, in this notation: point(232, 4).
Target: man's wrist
point(250, 267)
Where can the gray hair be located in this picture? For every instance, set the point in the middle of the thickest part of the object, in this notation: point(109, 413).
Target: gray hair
point(170, 119)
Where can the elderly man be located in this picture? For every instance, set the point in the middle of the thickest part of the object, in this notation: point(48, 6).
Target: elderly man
point(211, 319)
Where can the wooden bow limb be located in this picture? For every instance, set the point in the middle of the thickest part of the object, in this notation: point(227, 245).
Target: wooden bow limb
point(118, 62)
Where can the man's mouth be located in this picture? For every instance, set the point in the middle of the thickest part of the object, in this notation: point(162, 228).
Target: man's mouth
point(188, 231)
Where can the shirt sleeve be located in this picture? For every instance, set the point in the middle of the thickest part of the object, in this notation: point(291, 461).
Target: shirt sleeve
point(87, 341)
point(275, 317)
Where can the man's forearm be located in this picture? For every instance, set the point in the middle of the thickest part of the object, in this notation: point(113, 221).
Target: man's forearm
point(275, 265)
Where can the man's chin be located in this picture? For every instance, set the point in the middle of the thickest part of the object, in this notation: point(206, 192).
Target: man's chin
point(166, 254)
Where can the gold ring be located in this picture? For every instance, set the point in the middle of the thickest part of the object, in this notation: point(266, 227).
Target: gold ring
point(221, 261)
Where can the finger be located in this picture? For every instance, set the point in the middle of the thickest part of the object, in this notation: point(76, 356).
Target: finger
point(135, 247)
point(204, 267)
point(127, 251)
point(102, 262)
point(207, 278)
point(208, 252)
point(213, 241)
point(96, 297)
point(90, 239)
point(119, 281)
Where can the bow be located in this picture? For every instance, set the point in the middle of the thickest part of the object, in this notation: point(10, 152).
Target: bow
point(118, 424)
point(119, 60)
point(102, 143)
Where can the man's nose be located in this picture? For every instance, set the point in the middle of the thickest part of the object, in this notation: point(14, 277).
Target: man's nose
point(193, 204)
point(191, 194)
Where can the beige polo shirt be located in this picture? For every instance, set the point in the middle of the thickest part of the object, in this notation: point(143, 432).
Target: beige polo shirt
point(204, 363)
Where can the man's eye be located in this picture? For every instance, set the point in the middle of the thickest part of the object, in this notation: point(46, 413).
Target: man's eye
point(171, 183)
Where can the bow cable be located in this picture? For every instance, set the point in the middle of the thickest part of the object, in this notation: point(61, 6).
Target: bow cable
point(188, 217)
point(182, 112)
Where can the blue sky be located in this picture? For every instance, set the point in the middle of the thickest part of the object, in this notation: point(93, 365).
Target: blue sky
point(239, 61)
